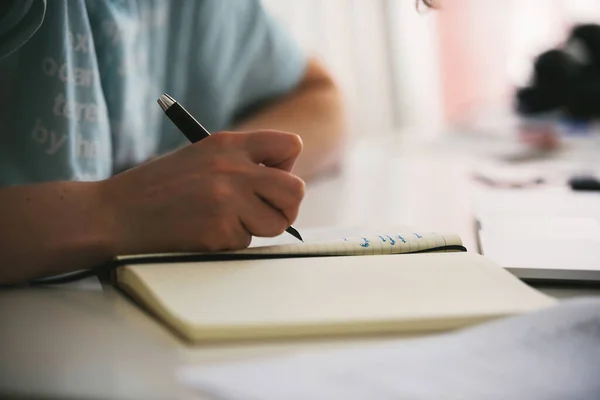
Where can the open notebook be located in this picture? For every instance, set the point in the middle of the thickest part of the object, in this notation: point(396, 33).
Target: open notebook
point(392, 282)
point(344, 245)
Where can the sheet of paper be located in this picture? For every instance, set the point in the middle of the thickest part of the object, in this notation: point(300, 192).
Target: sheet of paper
point(354, 241)
point(550, 354)
point(328, 234)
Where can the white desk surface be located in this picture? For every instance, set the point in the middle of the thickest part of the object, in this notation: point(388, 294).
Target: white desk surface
point(71, 343)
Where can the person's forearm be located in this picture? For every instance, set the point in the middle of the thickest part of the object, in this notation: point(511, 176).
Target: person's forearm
point(314, 111)
point(52, 228)
point(208, 196)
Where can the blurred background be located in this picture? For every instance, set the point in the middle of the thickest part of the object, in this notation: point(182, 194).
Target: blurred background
point(429, 72)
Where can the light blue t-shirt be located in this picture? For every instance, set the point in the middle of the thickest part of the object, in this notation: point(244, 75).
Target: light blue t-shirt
point(79, 79)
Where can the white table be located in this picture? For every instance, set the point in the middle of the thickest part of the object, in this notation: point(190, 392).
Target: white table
point(70, 343)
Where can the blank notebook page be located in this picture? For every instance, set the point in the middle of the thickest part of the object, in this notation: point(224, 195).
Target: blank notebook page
point(327, 295)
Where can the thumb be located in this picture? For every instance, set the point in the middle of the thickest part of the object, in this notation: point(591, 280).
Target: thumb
point(274, 149)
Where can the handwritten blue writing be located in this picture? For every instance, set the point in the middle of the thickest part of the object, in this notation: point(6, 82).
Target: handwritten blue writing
point(392, 241)
point(401, 238)
point(365, 243)
point(418, 236)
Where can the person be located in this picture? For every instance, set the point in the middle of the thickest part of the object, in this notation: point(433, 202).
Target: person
point(90, 167)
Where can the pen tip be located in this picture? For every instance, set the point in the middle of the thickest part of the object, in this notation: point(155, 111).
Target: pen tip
point(294, 232)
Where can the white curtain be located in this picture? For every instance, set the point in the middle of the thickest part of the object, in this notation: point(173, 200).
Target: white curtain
point(350, 37)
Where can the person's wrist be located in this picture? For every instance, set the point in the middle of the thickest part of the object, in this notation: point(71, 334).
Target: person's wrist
point(114, 217)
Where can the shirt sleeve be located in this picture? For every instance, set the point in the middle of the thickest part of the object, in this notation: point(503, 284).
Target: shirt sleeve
point(53, 120)
point(19, 20)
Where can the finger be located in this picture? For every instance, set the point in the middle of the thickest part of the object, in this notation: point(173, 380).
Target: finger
point(282, 190)
point(223, 231)
point(261, 219)
point(236, 238)
point(273, 148)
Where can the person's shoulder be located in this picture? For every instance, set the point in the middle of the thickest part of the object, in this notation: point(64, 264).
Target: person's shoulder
point(230, 9)
point(231, 4)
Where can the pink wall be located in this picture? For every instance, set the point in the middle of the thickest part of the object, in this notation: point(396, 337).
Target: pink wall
point(487, 47)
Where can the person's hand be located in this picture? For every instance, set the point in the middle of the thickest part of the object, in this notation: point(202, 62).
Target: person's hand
point(209, 196)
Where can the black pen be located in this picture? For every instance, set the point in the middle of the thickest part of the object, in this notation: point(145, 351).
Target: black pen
point(194, 131)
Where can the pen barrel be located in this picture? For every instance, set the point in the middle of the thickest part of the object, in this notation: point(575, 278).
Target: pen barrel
point(188, 125)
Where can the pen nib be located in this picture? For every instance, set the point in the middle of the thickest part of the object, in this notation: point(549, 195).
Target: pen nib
point(294, 232)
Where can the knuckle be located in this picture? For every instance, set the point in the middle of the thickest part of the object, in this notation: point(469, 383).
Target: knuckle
point(221, 192)
point(219, 164)
point(226, 164)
